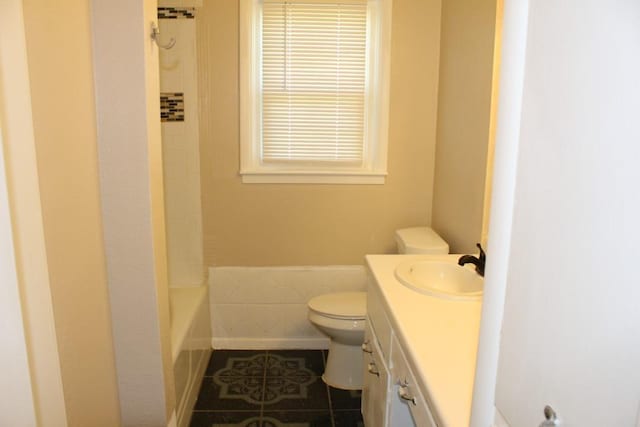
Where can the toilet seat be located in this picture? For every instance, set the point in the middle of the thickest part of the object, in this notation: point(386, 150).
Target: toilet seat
point(342, 305)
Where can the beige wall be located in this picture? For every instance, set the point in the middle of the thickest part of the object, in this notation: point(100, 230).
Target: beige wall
point(18, 146)
point(464, 107)
point(265, 224)
point(61, 77)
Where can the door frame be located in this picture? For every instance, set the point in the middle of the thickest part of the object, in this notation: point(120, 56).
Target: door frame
point(511, 83)
point(33, 379)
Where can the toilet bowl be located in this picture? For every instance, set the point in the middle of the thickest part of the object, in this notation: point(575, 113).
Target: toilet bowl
point(341, 316)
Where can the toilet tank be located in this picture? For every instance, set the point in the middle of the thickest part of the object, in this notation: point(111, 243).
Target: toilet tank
point(420, 240)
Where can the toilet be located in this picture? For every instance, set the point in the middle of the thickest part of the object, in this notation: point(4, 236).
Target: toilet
point(342, 315)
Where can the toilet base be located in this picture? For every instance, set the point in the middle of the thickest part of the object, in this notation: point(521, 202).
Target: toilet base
point(344, 366)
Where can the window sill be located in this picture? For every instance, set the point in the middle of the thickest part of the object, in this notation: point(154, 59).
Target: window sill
point(368, 178)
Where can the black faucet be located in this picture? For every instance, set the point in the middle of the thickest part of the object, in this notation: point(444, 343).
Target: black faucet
point(478, 262)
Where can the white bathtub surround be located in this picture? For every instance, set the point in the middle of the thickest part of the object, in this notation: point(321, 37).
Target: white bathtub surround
point(266, 307)
point(181, 150)
point(191, 345)
point(187, 311)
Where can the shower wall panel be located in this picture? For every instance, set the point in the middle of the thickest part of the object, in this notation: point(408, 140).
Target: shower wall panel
point(180, 141)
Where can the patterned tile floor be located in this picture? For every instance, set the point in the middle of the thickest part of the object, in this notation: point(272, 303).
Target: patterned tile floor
point(280, 388)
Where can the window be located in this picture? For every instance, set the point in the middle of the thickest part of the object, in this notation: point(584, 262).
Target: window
point(314, 90)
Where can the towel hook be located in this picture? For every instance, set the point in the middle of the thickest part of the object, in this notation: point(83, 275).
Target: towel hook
point(155, 36)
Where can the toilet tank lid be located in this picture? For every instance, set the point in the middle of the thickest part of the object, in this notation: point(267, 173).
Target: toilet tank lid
point(421, 238)
point(348, 305)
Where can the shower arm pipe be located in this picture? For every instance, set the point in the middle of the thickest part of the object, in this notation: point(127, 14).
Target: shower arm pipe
point(155, 36)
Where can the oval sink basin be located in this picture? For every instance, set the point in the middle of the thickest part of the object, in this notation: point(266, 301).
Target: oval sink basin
point(440, 279)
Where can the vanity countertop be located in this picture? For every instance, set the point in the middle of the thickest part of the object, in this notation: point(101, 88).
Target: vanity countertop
point(439, 338)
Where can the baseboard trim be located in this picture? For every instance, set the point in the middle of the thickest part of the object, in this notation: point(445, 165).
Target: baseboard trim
point(220, 343)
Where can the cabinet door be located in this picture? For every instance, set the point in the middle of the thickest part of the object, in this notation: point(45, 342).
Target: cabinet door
point(407, 405)
point(375, 386)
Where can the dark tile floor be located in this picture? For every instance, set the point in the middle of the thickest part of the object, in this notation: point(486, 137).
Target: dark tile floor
point(280, 388)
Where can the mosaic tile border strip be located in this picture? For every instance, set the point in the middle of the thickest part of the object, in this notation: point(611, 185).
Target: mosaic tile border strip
point(176, 13)
point(172, 107)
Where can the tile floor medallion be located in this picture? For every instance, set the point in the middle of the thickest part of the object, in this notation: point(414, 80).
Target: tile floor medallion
point(239, 381)
point(262, 422)
point(280, 388)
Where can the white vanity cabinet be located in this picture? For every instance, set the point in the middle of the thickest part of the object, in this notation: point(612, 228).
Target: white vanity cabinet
point(424, 345)
point(376, 350)
point(390, 395)
point(405, 392)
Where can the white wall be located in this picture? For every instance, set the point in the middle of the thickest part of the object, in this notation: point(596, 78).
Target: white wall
point(570, 330)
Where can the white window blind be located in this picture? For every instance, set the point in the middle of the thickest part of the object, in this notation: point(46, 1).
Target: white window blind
point(313, 78)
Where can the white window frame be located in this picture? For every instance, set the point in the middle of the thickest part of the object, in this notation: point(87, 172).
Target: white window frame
point(373, 169)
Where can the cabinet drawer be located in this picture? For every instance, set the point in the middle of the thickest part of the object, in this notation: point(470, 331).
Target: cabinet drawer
point(375, 384)
point(378, 319)
point(406, 387)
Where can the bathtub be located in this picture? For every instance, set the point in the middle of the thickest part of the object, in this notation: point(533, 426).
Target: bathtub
point(190, 345)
